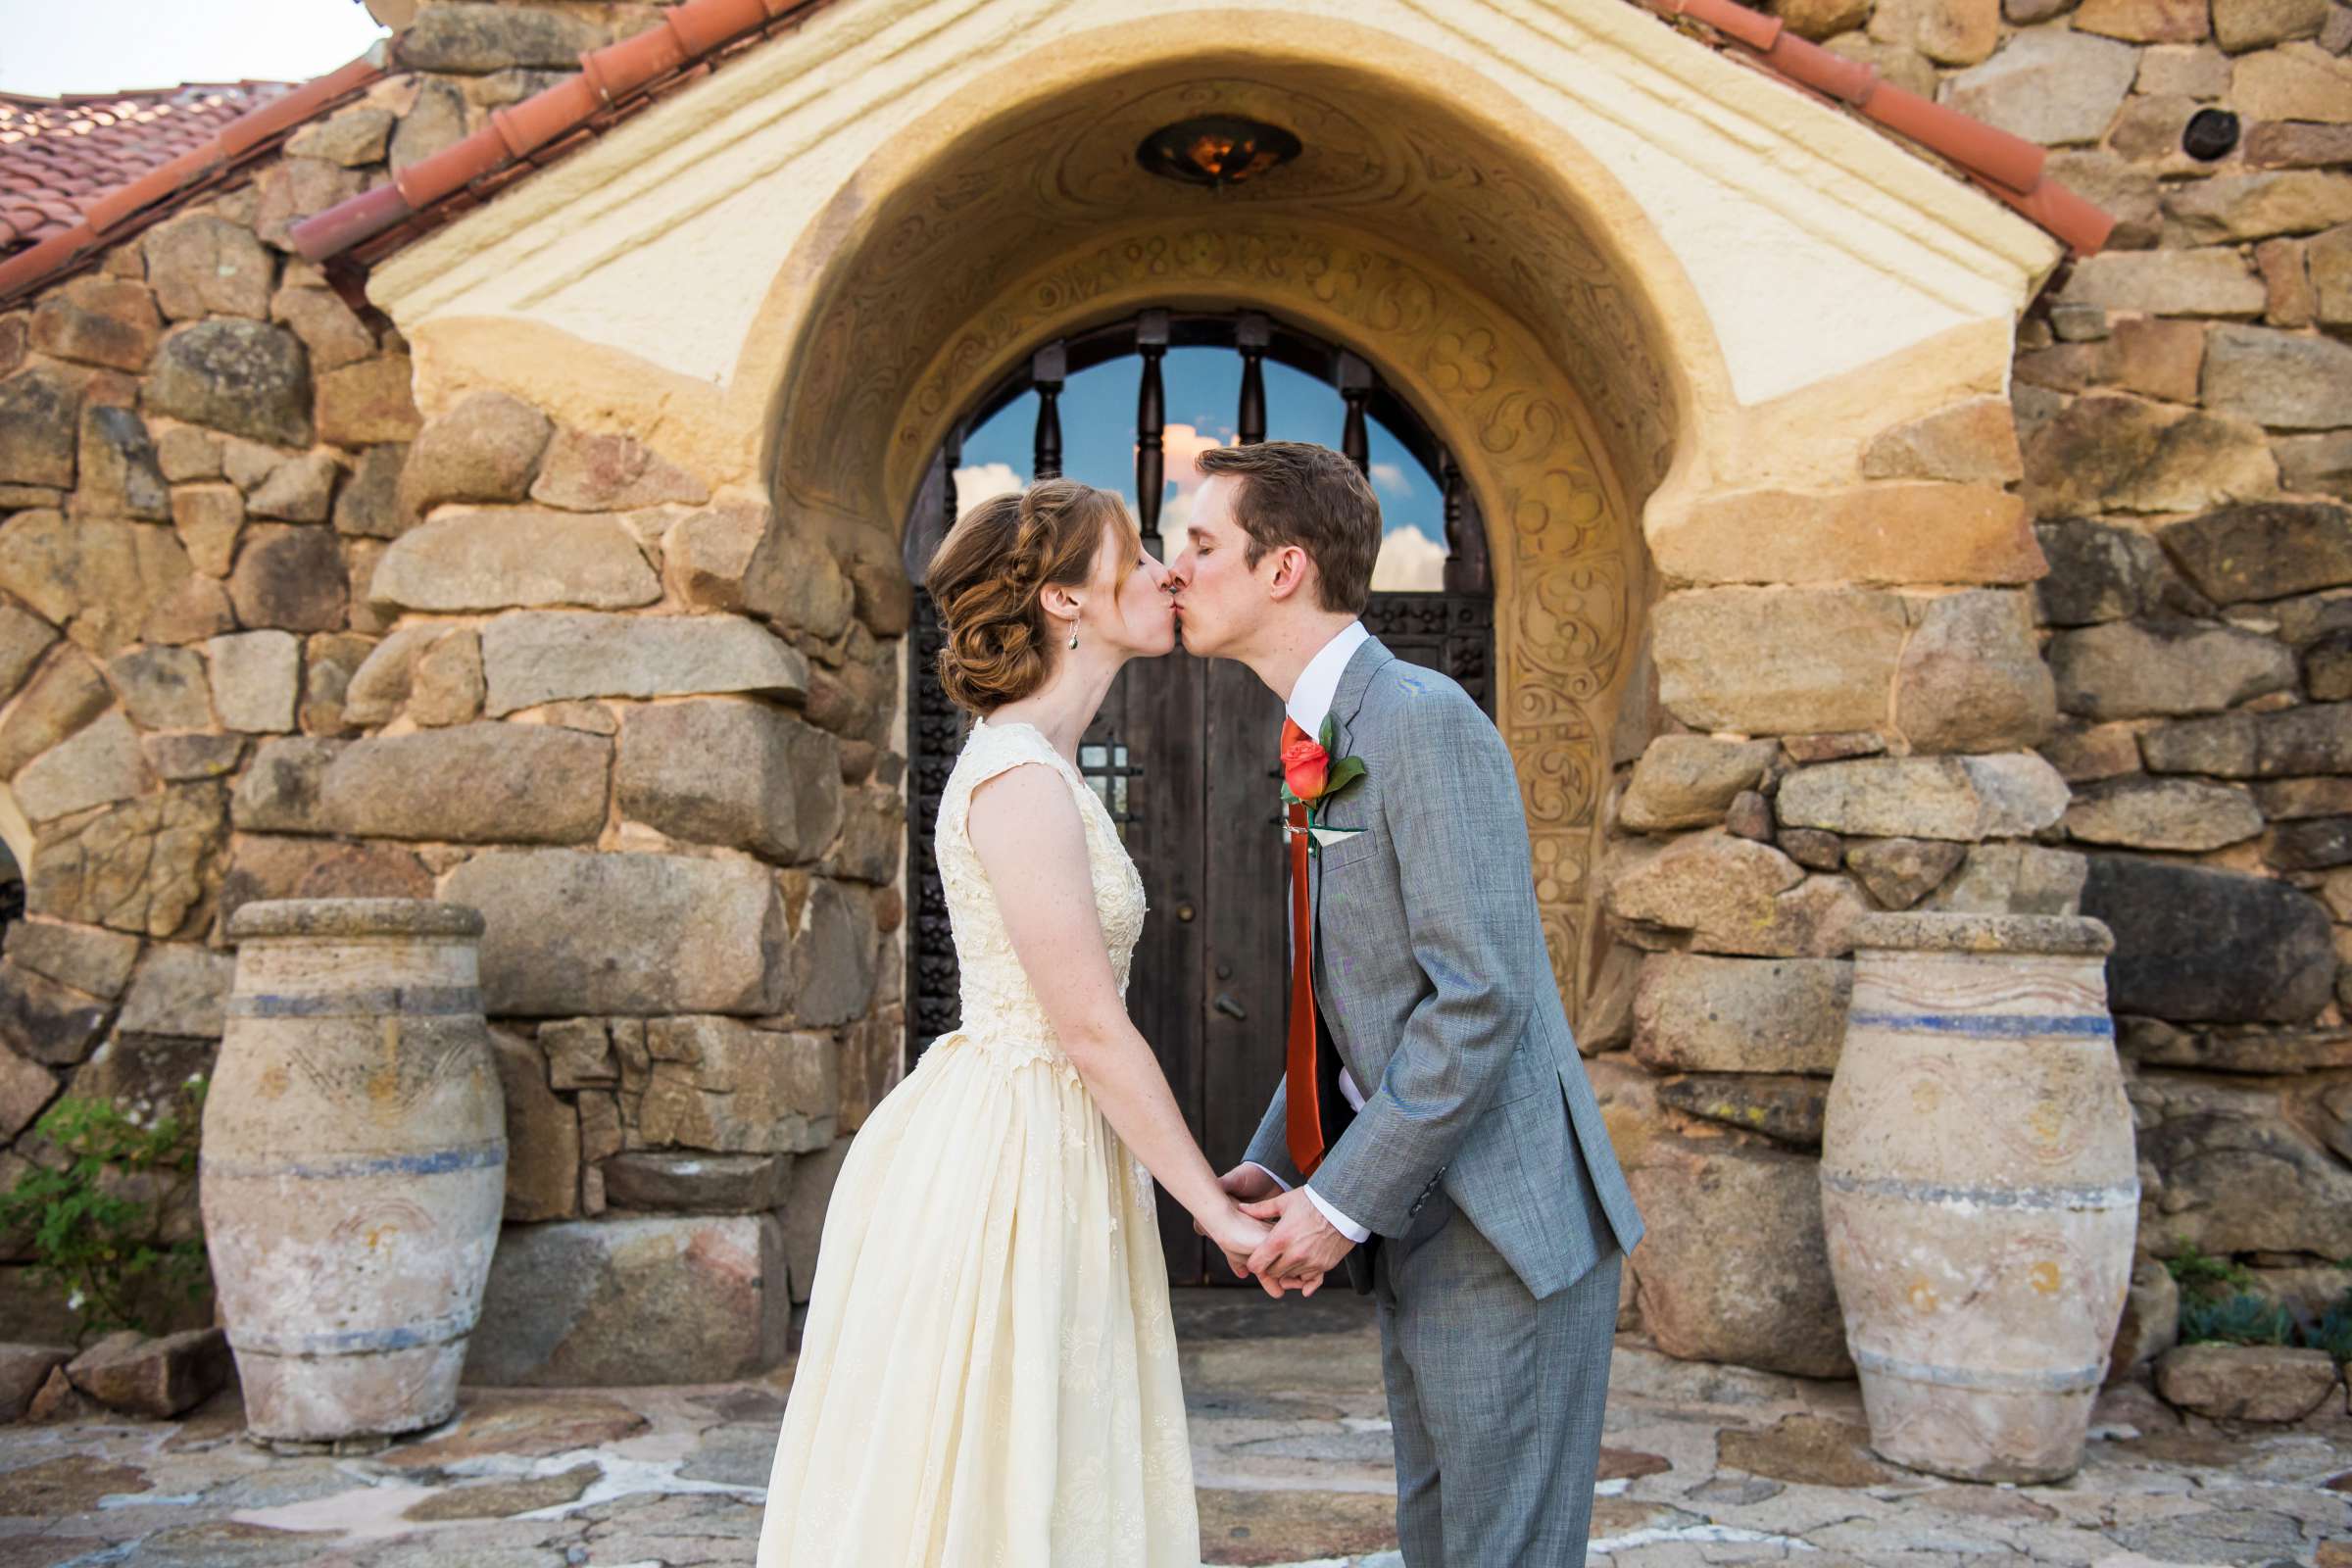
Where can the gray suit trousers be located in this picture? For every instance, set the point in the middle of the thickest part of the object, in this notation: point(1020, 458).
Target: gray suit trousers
point(1496, 1397)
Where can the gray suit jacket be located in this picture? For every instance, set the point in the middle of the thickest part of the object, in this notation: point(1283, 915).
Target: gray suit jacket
point(1431, 972)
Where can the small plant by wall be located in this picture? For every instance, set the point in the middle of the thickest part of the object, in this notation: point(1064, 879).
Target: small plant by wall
point(98, 1223)
point(2222, 1303)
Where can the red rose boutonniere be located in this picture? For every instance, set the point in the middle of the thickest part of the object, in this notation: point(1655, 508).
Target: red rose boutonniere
point(1310, 776)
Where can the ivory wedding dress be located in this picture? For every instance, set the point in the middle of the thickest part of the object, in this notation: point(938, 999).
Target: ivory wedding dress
point(987, 1375)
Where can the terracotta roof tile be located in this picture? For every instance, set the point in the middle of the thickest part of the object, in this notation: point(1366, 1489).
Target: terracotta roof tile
point(79, 174)
point(58, 153)
point(615, 83)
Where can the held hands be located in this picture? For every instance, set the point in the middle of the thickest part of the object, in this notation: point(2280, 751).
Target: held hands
point(1235, 1234)
point(1303, 1247)
point(1283, 1257)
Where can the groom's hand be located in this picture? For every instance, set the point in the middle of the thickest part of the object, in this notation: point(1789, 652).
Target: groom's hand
point(1303, 1245)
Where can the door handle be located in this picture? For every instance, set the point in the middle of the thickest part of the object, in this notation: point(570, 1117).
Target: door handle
point(1184, 912)
point(1229, 1008)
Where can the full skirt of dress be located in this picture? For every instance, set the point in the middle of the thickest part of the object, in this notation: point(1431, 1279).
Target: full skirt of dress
point(988, 1376)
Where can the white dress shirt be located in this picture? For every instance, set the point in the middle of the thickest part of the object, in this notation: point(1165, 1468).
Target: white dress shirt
point(1309, 705)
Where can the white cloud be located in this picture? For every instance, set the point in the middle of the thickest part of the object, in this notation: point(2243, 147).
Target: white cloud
point(1183, 443)
point(1410, 560)
point(981, 480)
point(1390, 477)
point(1174, 513)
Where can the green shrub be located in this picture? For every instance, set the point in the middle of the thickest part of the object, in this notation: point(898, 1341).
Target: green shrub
point(2197, 1271)
point(2239, 1318)
point(96, 1226)
point(2334, 1331)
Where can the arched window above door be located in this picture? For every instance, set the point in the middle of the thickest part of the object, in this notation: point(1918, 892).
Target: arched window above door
point(1126, 405)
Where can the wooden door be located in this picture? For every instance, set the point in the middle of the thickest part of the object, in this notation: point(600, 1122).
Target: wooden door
point(1245, 978)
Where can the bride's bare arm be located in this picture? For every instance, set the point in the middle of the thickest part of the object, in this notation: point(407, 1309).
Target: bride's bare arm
point(1025, 827)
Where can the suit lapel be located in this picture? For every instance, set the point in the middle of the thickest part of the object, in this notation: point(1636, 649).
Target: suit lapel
point(1355, 682)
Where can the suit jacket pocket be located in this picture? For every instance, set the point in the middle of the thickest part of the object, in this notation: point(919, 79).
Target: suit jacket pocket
point(1338, 856)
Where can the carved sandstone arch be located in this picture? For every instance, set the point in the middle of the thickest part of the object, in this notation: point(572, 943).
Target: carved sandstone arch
point(1567, 565)
point(1412, 231)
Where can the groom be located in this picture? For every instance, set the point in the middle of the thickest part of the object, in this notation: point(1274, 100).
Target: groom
point(1434, 1132)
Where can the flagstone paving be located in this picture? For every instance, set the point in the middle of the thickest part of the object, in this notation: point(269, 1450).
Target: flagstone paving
point(1703, 1465)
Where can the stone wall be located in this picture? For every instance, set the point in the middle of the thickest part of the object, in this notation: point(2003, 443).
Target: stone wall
point(266, 632)
point(1823, 749)
point(2157, 733)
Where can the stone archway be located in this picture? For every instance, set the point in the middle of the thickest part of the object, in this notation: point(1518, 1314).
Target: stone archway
point(1042, 223)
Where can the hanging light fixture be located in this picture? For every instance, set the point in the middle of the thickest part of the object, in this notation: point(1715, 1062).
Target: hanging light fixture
point(1217, 150)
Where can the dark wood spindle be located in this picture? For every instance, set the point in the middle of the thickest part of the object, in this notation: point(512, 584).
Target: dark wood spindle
point(1047, 372)
point(1356, 389)
point(950, 462)
point(1465, 531)
point(1151, 424)
point(1251, 333)
point(1450, 483)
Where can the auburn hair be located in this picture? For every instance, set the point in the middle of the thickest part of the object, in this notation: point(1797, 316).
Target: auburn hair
point(990, 570)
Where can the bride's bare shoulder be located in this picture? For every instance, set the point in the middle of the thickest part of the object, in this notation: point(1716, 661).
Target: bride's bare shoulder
point(1022, 815)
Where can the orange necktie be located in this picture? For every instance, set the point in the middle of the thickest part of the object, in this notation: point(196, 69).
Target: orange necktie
point(1302, 1128)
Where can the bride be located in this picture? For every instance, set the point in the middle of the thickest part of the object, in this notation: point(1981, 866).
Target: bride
point(988, 1376)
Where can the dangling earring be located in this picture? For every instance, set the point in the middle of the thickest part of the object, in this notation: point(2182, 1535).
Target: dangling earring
point(1074, 640)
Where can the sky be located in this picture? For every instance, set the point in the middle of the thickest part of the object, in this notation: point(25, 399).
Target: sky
point(1204, 387)
point(77, 46)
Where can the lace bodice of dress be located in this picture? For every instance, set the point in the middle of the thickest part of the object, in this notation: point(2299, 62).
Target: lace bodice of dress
point(999, 1004)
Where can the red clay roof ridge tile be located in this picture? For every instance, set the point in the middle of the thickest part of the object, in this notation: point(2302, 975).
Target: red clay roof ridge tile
point(612, 82)
point(114, 214)
point(2006, 166)
point(58, 153)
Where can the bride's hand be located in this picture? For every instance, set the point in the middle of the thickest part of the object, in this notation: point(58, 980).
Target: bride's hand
point(1238, 1236)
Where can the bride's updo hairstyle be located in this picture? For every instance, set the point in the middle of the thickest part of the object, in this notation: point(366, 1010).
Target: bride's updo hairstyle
point(989, 571)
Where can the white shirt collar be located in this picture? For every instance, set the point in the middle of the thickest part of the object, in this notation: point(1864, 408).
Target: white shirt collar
point(1319, 682)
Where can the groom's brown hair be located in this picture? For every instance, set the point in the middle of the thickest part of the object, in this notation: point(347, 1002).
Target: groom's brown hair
point(1298, 493)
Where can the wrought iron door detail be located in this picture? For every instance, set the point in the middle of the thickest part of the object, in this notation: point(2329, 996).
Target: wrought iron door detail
point(935, 731)
point(1109, 772)
point(1450, 632)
